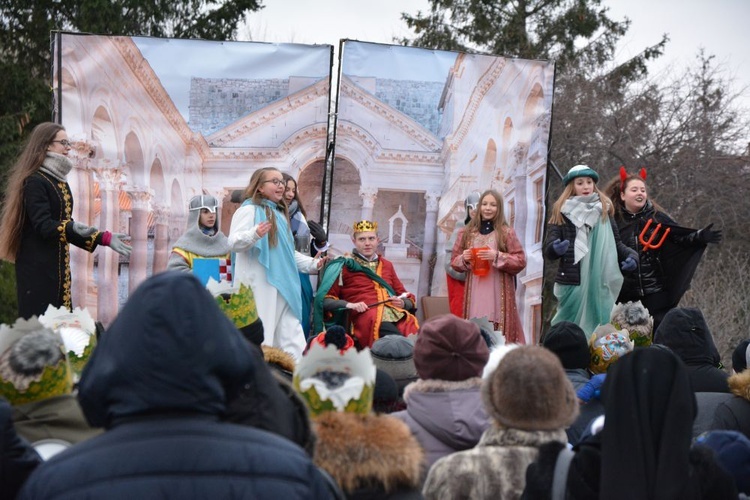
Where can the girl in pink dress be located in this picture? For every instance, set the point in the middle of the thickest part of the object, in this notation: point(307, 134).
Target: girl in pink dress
point(495, 243)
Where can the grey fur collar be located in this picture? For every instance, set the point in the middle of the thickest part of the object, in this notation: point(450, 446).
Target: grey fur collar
point(57, 165)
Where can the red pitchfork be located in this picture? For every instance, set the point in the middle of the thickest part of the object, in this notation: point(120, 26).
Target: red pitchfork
point(649, 243)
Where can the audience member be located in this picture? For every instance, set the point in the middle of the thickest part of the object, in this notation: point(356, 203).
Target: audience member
point(685, 331)
point(158, 381)
point(17, 458)
point(644, 449)
point(394, 355)
point(732, 451)
point(530, 402)
point(444, 407)
point(568, 342)
point(734, 413)
point(607, 345)
point(635, 318)
point(370, 456)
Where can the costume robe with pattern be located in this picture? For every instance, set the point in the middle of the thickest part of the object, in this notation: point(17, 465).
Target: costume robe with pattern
point(494, 295)
point(357, 287)
point(43, 259)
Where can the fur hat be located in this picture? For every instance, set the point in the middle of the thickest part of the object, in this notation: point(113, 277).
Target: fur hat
point(635, 318)
point(568, 342)
point(394, 355)
point(607, 345)
point(741, 356)
point(450, 348)
point(580, 171)
point(530, 391)
point(732, 450)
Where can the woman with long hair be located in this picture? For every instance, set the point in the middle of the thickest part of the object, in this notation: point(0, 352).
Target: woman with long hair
point(37, 226)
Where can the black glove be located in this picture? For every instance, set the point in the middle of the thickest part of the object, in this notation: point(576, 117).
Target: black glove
point(317, 232)
point(706, 235)
point(560, 246)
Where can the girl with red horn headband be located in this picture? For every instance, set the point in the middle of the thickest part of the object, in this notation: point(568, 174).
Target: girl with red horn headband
point(668, 254)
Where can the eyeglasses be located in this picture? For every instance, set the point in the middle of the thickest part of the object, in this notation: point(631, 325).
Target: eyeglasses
point(276, 182)
point(65, 143)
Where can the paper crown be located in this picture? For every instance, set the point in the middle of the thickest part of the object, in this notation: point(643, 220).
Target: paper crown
point(237, 302)
point(78, 331)
point(607, 345)
point(329, 380)
point(33, 364)
point(365, 225)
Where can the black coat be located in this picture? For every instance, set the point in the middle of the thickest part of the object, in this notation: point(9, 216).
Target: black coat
point(734, 413)
point(685, 331)
point(652, 276)
point(569, 273)
point(43, 259)
point(158, 381)
point(17, 458)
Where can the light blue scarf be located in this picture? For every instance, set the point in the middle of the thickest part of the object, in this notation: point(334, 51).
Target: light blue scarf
point(279, 262)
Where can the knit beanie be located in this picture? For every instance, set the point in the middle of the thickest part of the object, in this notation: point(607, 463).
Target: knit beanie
point(568, 342)
point(394, 355)
point(449, 348)
point(732, 450)
point(580, 171)
point(741, 356)
point(530, 391)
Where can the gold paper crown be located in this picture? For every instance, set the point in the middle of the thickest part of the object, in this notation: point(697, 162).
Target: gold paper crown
point(365, 225)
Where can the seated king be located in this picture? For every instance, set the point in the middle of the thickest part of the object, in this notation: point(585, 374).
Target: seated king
point(366, 285)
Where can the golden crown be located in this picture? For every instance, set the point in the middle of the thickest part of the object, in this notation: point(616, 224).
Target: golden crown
point(365, 225)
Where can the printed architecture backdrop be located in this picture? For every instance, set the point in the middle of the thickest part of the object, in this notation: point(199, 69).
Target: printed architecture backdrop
point(157, 121)
point(418, 130)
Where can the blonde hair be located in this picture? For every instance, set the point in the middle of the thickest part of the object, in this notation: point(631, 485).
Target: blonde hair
point(472, 228)
point(251, 192)
point(28, 162)
point(608, 209)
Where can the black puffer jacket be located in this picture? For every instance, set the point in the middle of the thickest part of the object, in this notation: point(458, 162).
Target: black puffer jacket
point(158, 381)
point(649, 277)
point(569, 273)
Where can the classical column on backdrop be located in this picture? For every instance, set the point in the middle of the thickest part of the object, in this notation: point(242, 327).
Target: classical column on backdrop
point(161, 237)
point(368, 195)
point(81, 185)
point(109, 175)
point(428, 247)
point(139, 203)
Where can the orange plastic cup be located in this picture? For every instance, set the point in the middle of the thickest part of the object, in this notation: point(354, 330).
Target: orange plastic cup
point(480, 267)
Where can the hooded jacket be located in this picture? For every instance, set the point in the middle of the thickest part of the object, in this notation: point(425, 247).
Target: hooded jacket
point(17, 458)
point(158, 381)
point(444, 416)
point(734, 414)
point(685, 331)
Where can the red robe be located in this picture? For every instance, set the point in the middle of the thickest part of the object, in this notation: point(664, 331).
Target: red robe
point(357, 287)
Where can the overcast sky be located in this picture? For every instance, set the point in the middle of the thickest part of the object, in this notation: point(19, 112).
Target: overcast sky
point(719, 26)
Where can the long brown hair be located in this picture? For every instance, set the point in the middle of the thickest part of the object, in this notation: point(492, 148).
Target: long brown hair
point(28, 162)
point(499, 222)
point(258, 177)
point(608, 209)
point(296, 198)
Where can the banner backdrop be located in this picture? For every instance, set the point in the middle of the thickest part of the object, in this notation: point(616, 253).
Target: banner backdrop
point(418, 130)
point(157, 121)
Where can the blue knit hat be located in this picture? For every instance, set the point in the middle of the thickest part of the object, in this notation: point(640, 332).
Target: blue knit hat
point(733, 454)
point(580, 171)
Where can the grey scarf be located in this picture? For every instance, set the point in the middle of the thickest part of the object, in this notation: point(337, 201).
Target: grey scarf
point(584, 212)
point(57, 165)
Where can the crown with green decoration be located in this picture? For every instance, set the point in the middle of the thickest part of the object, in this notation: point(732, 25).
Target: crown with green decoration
point(33, 363)
point(78, 331)
point(365, 225)
point(329, 380)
